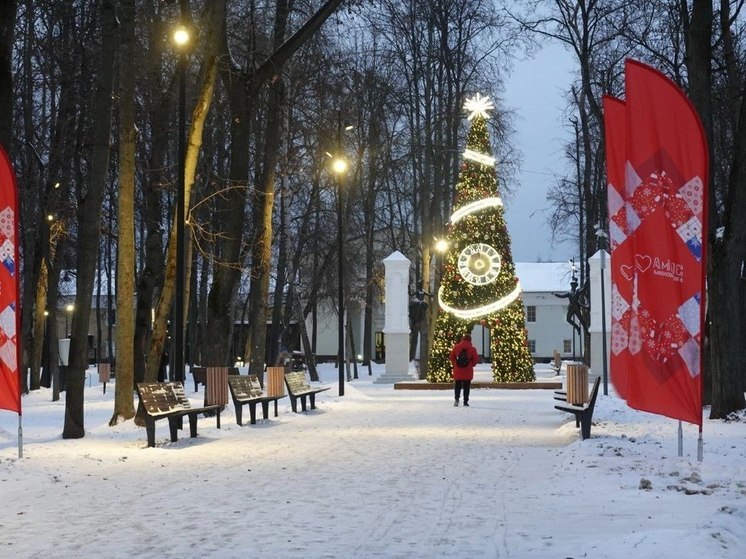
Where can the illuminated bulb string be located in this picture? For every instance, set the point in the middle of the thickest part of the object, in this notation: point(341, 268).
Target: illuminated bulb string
point(472, 207)
point(479, 157)
point(469, 314)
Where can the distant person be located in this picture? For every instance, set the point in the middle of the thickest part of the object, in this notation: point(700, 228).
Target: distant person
point(163, 367)
point(463, 358)
point(284, 359)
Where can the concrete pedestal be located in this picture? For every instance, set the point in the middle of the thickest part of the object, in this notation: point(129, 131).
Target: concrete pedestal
point(397, 359)
point(396, 329)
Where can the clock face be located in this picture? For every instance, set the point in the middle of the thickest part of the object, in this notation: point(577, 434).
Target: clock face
point(479, 264)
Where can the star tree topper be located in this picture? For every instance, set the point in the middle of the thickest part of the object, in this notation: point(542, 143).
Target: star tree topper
point(479, 106)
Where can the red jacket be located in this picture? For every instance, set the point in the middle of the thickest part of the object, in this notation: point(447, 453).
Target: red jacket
point(464, 373)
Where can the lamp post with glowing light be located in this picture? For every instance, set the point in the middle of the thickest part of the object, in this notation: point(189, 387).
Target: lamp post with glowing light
point(339, 165)
point(68, 313)
point(181, 40)
point(46, 379)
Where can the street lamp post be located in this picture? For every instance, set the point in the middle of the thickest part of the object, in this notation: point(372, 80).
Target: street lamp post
point(340, 166)
point(46, 379)
point(68, 311)
point(181, 38)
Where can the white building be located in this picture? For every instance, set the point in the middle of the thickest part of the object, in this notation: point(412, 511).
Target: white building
point(546, 314)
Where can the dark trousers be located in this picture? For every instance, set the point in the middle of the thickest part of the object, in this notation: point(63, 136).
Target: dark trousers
point(458, 385)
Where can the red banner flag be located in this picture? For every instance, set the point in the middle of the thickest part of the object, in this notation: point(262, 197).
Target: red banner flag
point(10, 386)
point(661, 257)
point(615, 134)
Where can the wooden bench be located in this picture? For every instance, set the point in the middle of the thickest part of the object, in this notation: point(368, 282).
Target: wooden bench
point(166, 400)
point(247, 390)
point(584, 412)
point(298, 388)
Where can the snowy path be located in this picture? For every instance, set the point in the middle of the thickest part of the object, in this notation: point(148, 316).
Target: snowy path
point(376, 474)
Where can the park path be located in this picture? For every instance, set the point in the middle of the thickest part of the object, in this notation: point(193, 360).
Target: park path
point(376, 474)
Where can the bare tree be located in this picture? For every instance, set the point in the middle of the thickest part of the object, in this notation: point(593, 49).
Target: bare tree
point(263, 210)
point(123, 405)
point(726, 301)
point(89, 218)
point(7, 34)
point(678, 38)
point(243, 86)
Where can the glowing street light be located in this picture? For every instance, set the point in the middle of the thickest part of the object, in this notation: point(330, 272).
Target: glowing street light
point(181, 39)
point(181, 35)
point(339, 166)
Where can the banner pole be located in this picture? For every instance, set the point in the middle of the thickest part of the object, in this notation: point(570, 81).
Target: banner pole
point(681, 440)
point(20, 436)
point(700, 446)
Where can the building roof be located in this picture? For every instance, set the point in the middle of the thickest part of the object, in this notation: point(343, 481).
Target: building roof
point(544, 276)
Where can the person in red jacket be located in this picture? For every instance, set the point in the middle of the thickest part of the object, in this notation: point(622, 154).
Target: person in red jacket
point(463, 369)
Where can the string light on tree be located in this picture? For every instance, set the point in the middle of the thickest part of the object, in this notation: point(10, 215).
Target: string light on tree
point(474, 207)
point(479, 157)
point(479, 285)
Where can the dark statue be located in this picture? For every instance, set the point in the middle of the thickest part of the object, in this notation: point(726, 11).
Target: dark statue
point(417, 305)
point(576, 305)
point(417, 314)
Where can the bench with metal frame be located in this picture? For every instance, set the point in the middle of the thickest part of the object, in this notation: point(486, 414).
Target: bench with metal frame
point(584, 412)
point(167, 400)
point(247, 390)
point(299, 389)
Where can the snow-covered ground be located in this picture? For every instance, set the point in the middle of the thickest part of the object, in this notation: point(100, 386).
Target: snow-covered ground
point(377, 473)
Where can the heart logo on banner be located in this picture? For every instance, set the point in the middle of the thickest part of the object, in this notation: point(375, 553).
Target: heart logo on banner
point(626, 271)
point(642, 263)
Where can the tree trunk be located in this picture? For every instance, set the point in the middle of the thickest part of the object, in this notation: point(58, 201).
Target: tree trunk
point(725, 284)
point(278, 325)
point(71, 183)
point(152, 275)
point(220, 301)
point(726, 293)
point(262, 251)
point(7, 33)
point(123, 403)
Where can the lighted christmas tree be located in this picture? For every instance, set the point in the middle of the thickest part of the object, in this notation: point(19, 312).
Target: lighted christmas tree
point(479, 285)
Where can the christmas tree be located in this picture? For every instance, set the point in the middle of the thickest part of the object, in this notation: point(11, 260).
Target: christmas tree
point(479, 285)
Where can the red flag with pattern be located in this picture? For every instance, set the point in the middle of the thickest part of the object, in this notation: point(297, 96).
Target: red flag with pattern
point(10, 386)
point(659, 252)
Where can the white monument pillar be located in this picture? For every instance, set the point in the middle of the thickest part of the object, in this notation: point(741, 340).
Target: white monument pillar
point(396, 328)
point(600, 278)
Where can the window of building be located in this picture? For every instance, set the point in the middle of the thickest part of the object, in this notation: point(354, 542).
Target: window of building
point(531, 313)
point(566, 346)
point(532, 346)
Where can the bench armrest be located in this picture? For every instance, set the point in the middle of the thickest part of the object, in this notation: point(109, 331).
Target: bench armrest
point(572, 408)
